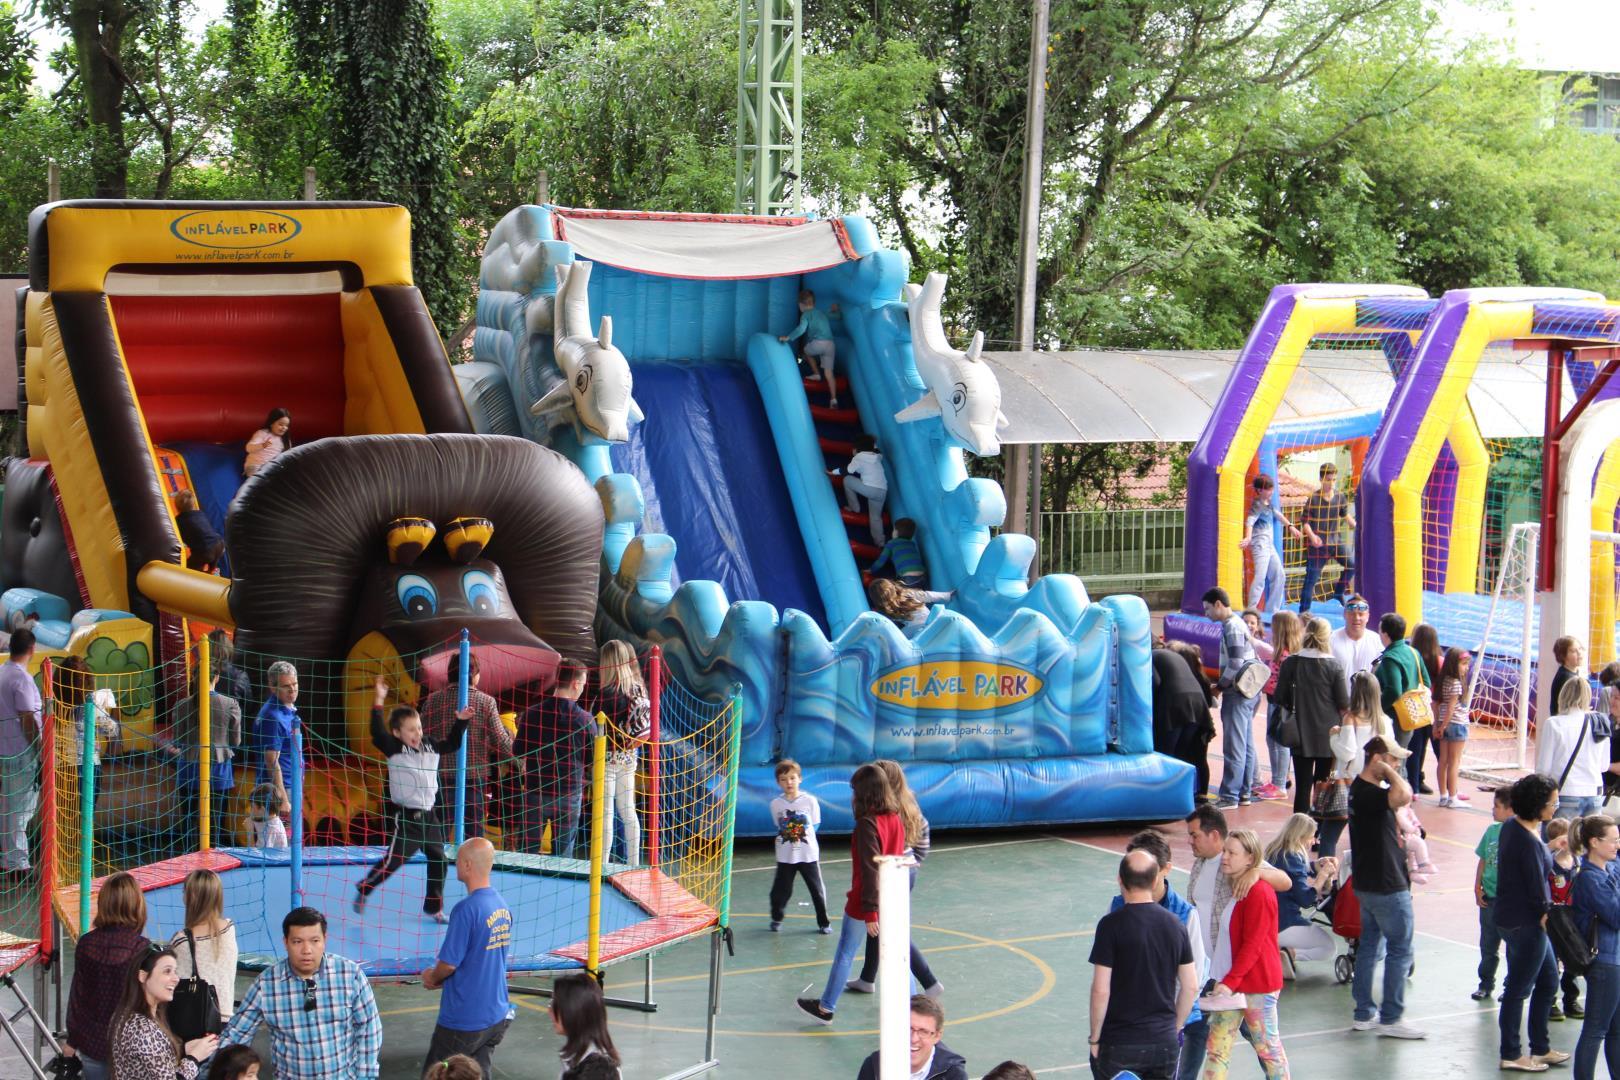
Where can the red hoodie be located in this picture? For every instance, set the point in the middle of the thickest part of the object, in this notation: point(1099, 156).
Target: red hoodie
point(1256, 961)
point(882, 834)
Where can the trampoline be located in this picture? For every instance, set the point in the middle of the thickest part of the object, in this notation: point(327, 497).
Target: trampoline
point(641, 909)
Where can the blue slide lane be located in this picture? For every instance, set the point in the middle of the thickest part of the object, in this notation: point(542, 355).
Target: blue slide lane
point(709, 474)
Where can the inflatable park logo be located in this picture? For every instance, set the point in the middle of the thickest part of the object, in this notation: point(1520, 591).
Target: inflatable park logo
point(235, 230)
point(956, 685)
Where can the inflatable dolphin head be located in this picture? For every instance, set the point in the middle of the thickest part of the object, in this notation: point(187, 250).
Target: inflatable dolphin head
point(961, 389)
point(595, 390)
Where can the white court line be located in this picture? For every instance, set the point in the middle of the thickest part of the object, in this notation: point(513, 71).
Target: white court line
point(1105, 851)
point(931, 851)
point(1287, 1037)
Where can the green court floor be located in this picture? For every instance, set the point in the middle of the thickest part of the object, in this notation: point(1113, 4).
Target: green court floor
point(1006, 920)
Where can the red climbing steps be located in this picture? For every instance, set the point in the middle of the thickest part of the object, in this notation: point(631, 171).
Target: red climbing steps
point(835, 429)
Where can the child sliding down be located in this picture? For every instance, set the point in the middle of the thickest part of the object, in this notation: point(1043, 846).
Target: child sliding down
point(413, 789)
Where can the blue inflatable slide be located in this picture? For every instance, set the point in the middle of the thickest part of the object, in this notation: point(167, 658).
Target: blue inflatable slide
point(645, 347)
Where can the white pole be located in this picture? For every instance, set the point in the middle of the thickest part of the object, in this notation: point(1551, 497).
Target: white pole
point(1530, 600)
point(894, 967)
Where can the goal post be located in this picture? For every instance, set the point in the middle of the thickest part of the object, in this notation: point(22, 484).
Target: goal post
point(1502, 675)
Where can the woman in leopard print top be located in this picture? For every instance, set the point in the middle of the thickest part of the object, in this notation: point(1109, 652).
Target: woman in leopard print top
point(143, 1047)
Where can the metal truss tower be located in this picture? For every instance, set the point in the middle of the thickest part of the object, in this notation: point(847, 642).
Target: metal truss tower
point(768, 81)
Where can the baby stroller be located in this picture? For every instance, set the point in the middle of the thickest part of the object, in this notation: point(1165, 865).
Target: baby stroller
point(1346, 922)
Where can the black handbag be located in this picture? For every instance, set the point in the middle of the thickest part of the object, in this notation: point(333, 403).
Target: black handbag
point(1283, 726)
point(194, 1011)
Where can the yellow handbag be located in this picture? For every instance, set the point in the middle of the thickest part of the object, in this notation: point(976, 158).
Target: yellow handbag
point(1415, 709)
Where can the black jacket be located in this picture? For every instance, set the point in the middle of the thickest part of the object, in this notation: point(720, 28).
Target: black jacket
point(947, 1065)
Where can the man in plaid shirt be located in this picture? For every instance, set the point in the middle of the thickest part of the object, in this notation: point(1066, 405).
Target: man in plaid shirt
point(319, 1008)
point(488, 741)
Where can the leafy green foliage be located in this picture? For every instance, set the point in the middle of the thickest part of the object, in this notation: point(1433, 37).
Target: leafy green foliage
point(381, 71)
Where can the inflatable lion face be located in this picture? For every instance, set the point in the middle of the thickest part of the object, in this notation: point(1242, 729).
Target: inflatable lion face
point(379, 550)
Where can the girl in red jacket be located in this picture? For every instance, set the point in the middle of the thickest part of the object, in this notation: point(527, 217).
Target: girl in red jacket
point(878, 831)
point(1246, 951)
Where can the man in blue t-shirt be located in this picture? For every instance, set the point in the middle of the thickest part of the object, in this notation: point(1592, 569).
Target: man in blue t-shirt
point(273, 731)
point(474, 1012)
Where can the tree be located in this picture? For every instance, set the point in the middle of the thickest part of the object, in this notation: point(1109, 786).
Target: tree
point(382, 73)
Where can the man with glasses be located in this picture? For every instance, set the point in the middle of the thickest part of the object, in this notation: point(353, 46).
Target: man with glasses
point(930, 1058)
point(1352, 646)
point(322, 1017)
point(273, 731)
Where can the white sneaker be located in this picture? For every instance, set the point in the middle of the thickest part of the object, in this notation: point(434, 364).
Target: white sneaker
point(1444, 800)
point(1401, 1031)
point(859, 986)
point(936, 991)
point(1364, 1025)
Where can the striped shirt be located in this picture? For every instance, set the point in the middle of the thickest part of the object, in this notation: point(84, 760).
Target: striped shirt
point(1236, 648)
point(905, 556)
point(341, 1036)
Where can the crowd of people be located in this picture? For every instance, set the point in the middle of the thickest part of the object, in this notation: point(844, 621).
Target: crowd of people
point(124, 1019)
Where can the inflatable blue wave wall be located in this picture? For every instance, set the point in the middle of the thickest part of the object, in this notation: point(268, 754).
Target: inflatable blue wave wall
point(1014, 705)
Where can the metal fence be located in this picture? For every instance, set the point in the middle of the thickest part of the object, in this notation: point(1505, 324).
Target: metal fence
point(1116, 550)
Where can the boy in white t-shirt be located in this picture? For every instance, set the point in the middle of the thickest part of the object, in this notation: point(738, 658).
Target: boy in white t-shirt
point(797, 815)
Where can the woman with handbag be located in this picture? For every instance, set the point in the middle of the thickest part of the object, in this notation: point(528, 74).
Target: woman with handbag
point(1311, 690)
point(1405, 694)
point(1596, 905)
point(143, 1047)
point(1572, 745)
point(1245, 995)
point(206, 949)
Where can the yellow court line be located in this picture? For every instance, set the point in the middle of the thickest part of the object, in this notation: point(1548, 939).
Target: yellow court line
point(822, 961)
point(977, 943)
point(1048, 982)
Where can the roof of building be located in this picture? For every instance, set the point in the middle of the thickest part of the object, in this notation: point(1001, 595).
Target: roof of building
point(1090, 396)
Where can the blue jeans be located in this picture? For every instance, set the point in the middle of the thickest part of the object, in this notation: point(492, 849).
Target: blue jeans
point(1531, 972)
point(1417, 742)
point(851, 940)
point(1386, 933)
point(1313, 572)
point(1194, 1041)
point(1281, 757)
point(1241, 759)
point(93, 1069)
point(1268, 581)
point(1571, 807)
point(1490, 944)
point(1149, 1061)
point(1602, 1024)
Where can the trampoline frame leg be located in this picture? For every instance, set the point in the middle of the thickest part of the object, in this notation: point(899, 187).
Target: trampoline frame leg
point(709, 1060)
point(646, 1004)
point(41, 1033)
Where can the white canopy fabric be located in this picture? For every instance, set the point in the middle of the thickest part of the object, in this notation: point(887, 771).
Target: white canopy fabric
point(713, 246)
point(1168, 396)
